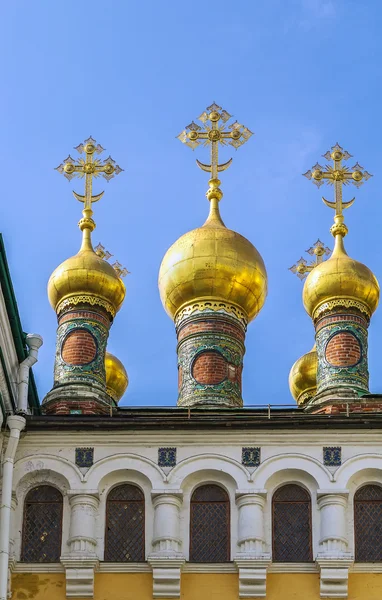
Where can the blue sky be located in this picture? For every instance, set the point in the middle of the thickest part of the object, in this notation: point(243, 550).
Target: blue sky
point(301, 74)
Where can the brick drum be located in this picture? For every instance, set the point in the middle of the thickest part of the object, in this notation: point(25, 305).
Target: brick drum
point(210, 368)
point(79, 348)
point(343, 350)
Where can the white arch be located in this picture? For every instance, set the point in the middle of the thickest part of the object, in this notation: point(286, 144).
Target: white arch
point(38, 463)
point(128, 462)
point(291, 461)
point(209, 462)
point(356, 464)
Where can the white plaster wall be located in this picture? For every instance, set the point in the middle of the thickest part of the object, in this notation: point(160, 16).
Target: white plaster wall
point(202, 457)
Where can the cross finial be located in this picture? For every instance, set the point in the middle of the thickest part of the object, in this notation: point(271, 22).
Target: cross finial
point(88, 167)
point(213, 133)
point(302, 267)
point(338, 175)
point(105, 255)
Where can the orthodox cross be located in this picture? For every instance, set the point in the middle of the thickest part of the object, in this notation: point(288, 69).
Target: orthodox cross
point(338, 175)
point(302, 267)
point(101, 251)
point(213, 133)
point(89, 167)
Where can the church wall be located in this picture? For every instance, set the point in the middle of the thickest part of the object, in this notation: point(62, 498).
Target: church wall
point(194, 586)
point(201, 457)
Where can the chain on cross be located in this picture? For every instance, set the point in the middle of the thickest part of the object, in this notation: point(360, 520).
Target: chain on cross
point(338, 175)
point(302, 267)
point(213, 133)
point(89, 167)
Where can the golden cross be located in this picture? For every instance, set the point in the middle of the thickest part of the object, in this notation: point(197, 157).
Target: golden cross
point(213, 133)
point(89, 167)
point(338, 175)
point(101, 251)
point(302, 267)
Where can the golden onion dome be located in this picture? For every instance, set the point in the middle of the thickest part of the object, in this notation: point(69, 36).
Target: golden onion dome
point(86, 277)
point(303, 377)
point(341, 278)
point(116, 377)
point(213, 263)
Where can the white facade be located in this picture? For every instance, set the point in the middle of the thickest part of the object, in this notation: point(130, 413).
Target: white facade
point(202, 457)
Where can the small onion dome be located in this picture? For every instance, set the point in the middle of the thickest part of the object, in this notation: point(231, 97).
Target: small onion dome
point(341, 278)
point(213, 263)
point(88, 278)
point(303, 377)
point(116, 377)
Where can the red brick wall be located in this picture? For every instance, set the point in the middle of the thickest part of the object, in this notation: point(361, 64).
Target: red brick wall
point(215, 326)
point(343, 350)
point(88, 407)
point(210, 368)
point(79, 348)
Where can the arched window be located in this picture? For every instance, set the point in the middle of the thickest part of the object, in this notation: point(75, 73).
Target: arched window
point(125, 524)
point(292, 525)
point(42, 526)
point(368, 523)
point(210, 525)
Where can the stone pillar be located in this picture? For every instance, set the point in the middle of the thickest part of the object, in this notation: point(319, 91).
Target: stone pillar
point(251, 560)
point(166, 560)
point(333, 558)
point(210, 354)
point(79, 368)
point(81, 560)
point(341, 338)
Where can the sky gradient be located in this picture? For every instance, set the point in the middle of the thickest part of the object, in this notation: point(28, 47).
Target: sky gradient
point(301, 75)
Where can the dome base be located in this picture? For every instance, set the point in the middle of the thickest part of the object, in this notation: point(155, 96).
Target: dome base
point(210, 359)
point(76, 398)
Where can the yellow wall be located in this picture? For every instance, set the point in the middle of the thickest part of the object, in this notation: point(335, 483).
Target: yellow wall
point(195, 586)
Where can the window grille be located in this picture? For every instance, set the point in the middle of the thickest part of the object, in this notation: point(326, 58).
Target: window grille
point(368, 524)
point(292, 524)
point(42, 525)
point(125, 525)
point(210, 525)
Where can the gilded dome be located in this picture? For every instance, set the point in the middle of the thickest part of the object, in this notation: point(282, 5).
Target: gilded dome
point(340, 277)
point(303, 377)
point(116, 377)
point(213, 263)
point(86, 274)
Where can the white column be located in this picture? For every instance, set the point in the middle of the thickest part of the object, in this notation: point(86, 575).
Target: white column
point(81, 560)
point(251, 560)
point(251, 523)
point(333, 558)
point(167, 523)
point(166, 560)
point(82, 540)
point(333, 538)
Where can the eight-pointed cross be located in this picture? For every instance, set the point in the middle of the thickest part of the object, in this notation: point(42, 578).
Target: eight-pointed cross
point(212, 133)
point(89, 168)
point(302, 267)
point(338, 175)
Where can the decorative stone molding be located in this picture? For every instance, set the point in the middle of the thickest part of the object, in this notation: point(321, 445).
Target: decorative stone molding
point(166, 576)
point(251, 560)
point(333, 559)
point(79, 574)
point(334, 573)
point(252, 577)
point(81, 561)
point(166, 560)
